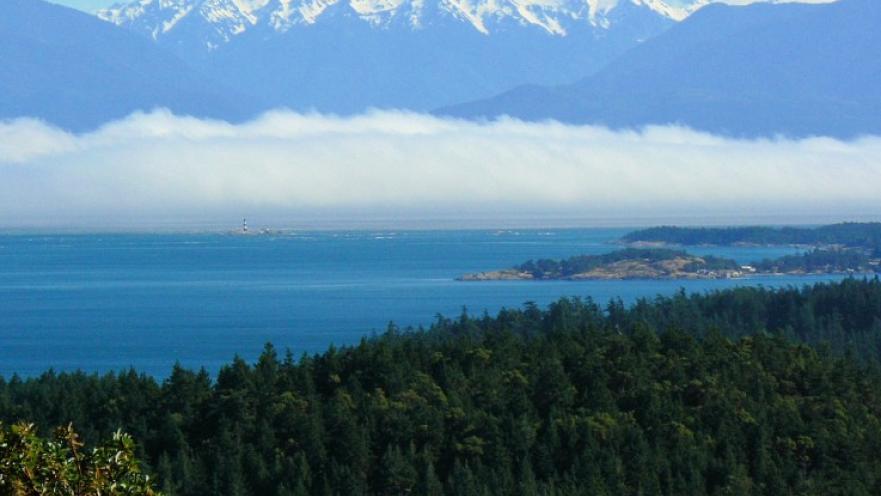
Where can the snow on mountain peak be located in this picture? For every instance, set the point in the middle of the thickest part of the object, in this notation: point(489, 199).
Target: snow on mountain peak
point(667, 10)
point(230, 18)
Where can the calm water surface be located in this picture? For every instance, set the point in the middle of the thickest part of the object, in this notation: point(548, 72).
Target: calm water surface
point(106, 302)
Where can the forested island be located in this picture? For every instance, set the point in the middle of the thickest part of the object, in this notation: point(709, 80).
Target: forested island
point(848, 234)
point(631, 263)
point(747, 391)
point(663, 263)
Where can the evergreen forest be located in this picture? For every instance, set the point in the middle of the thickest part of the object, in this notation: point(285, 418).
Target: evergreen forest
point(747, 391)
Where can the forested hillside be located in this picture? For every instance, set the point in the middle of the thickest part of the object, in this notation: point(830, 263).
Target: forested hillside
point(850, 234)
point(697, 395)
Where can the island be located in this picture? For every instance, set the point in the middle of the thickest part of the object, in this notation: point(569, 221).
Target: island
point(664, 263)
point(630, 263)
point(865, 235)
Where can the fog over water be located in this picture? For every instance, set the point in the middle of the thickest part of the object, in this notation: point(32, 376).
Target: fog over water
point(403, 166)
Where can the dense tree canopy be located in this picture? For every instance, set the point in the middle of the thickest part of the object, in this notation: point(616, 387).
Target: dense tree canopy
point(690, 394)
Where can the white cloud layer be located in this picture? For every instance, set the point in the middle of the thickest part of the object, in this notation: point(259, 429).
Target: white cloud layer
point(159, 166)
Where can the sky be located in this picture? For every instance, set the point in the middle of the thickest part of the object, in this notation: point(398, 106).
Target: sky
point(284, 165)
point(85, 5)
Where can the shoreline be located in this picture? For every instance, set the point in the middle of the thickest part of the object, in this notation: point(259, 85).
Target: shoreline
point(514, 275)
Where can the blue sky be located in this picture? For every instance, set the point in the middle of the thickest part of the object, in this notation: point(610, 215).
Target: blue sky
point(87, 5)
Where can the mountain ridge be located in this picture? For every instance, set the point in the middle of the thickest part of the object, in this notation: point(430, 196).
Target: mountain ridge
point(347, 56)
point(761, 70)
point(231, 18)
point(75, 71)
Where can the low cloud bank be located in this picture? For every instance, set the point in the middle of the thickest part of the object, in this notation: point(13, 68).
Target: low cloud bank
point(158, 165)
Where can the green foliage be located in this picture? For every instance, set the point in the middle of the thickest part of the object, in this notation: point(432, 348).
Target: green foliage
point(31, 465)
point(690, 394)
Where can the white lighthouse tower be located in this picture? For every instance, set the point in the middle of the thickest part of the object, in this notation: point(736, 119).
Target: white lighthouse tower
point(244, 225)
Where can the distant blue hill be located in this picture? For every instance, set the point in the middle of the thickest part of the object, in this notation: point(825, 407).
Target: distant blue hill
point(761, 70)
point(78, 72)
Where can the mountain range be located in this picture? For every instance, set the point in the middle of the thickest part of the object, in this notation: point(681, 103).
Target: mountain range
point(761, 70)
point(343, 56)
point(206, 25)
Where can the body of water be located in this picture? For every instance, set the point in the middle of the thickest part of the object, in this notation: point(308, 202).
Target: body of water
point(111, 301)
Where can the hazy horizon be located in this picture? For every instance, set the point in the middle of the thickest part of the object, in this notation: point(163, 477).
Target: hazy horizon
point(302, 224)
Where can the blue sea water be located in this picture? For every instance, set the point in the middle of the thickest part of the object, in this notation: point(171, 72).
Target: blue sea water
point(101, 302)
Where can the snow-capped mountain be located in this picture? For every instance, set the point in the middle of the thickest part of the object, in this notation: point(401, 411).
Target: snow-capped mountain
point(223, 20)
point(636, 64)
point(760, 70)
point(349, 55)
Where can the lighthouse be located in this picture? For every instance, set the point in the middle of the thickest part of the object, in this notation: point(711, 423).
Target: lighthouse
point(244, 225)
